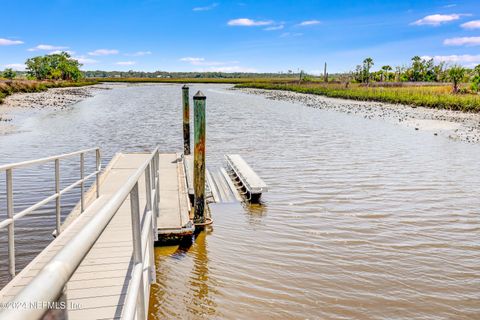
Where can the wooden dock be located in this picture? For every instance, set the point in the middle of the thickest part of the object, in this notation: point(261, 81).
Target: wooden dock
point(99, 286)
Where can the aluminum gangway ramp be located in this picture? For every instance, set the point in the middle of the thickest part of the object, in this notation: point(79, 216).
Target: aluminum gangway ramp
point(112, 280)
point(218, 186)
point(245, 177)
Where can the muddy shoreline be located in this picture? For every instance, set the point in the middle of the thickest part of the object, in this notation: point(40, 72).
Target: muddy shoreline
point(20, 104)
point(456, 125)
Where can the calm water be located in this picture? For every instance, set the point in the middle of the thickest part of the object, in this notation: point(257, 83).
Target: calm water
point(363, 220)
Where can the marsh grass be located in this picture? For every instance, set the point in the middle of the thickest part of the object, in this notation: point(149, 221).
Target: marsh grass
point(13, 86)
point(434, 96)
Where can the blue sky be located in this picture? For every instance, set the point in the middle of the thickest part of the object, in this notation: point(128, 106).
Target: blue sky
point(262, 36)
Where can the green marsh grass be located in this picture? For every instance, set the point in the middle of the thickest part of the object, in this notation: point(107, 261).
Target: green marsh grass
point(434, 96)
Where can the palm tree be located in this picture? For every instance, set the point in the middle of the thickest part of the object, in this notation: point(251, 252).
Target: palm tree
point(456, 74)
point(385, 70)
point(367, 65)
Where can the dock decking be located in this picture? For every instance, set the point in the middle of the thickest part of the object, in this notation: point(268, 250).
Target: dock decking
point(174, 203)
point(99, 285)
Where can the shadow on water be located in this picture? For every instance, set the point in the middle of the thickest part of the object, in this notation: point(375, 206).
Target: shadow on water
point(189, 278)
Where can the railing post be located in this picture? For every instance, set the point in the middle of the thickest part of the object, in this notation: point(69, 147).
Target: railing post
point(153, 275)
point(157, 183)
point(199, 101)
point(98, 164)
point(186, 120)
point(156, 197)
point(82, 175)
point(148, 186)
point(137, 246)
point(57, 199)
point(11, 226)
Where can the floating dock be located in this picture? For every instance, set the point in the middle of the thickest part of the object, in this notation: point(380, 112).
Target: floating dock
point(98, 287)
point(101, 263)
point(175, 207)
point(218, 186)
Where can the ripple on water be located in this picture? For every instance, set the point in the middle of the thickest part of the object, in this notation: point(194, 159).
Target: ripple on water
point(363, 218)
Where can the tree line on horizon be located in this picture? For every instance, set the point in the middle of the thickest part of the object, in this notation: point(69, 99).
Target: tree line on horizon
point(61, 66)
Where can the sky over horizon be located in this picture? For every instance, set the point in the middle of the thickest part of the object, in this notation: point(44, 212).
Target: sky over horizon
point(240, 36)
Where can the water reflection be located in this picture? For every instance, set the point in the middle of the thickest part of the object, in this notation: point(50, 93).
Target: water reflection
point(363, 220)
point(201, 304)
point(193, 294)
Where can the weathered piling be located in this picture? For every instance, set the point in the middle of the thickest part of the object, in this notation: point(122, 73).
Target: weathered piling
point(325, 74)
point(186, 120)
point(199, 101)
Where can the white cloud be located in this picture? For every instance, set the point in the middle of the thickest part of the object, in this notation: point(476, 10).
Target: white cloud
point(206, 8)
point(462, 41)
point(60, 51)
point(229, 69)
point(85, 60)
point(16, 66)
point(193, 60)
point(309, 23)
point(465, 59)
point(245, 22)
point(437, 19)
point(126, 63)
point(279, 27)
point(449, 5)
point(290, 34)
point(7, 42)
point(202, 62)
point(475, 24)
point(47, 47)
point(139, 53)
point(103, 52)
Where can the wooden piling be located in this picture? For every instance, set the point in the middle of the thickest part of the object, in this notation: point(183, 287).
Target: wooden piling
point(186, 120)
point(199, 101)
point(325, 74)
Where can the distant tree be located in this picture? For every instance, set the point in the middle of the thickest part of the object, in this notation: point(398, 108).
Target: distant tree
point(58, 66)
point(367, 65)
point(9, 73)
point(476, 70)
point(385, 72)
point(358, 74)
point(476, 79)
point(417, 69)
point(439, 72)
point(456, 74)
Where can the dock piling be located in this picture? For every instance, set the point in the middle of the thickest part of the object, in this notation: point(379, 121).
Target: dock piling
point(199, 101)
point(186, 120)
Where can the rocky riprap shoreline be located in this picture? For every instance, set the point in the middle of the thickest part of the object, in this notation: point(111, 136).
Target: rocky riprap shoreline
point(455, 125)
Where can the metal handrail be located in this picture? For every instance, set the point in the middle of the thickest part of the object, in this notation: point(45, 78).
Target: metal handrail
point(12, 216)
point(49, 284)
point(43, 160)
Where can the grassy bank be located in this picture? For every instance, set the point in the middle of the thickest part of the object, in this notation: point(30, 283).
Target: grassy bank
point(193, 80)
point(9, 87)
point(439, 97)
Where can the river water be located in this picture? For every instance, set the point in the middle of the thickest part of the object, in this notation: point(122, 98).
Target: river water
point(363, 220)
